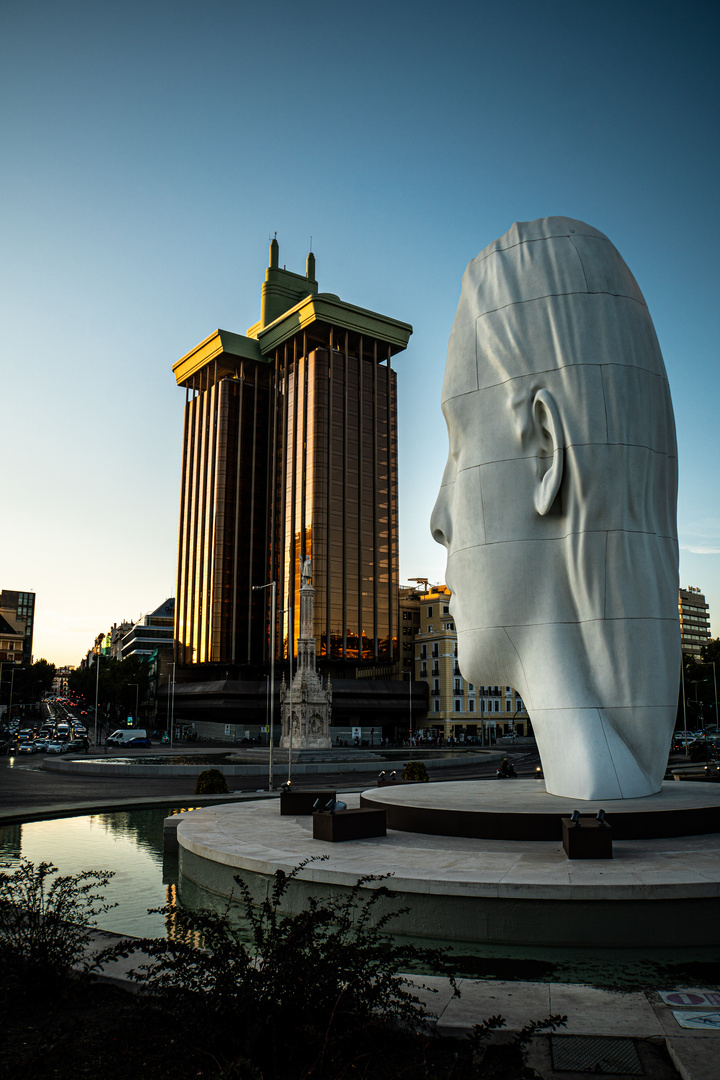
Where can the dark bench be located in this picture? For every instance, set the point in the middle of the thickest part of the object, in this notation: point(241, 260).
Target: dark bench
point(349, 825)
point(589, 839)
point(303, 801)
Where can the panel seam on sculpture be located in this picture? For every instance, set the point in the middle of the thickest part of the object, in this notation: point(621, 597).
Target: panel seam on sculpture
point(572, 242)
point(568, 446)
point(480, 258)
point(577, 622)
point(662, 375)
point(561, 536)
point(550, 296)
point(522, 668)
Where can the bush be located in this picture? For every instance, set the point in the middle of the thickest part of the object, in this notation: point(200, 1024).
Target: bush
point(303, 984)
point(416, 771)
point(211, 782)
point(44, 918)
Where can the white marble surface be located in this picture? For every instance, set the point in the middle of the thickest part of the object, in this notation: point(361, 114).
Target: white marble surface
point(558, 504)
point(252, 836)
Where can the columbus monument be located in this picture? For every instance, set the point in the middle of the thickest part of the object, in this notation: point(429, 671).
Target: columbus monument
point(305, 706)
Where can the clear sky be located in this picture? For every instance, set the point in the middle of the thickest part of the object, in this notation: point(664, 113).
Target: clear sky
point(149, 151)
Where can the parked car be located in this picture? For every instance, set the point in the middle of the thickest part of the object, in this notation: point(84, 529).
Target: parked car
point(124, 736)
point(140, 741)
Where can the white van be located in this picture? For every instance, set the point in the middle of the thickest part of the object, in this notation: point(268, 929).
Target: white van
point(124, 735)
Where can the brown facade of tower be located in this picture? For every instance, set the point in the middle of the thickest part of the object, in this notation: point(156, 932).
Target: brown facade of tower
point(290, 448)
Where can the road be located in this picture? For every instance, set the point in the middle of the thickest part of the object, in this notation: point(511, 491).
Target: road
point(24, 783)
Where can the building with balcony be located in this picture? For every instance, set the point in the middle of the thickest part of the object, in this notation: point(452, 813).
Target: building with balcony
point(694, 620)
point(457, 707)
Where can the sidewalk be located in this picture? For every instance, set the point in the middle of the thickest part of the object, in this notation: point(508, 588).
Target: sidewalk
point(591, 1012)
point(599, 1022)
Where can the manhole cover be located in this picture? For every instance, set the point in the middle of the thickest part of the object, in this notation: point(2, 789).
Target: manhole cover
point(580, 1053)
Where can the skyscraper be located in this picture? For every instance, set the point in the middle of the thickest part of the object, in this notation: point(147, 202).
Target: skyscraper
point(289, 449)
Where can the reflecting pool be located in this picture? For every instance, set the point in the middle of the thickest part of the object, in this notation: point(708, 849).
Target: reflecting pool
point(130, 843)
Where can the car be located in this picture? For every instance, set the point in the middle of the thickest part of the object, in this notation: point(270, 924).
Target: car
point(27, 746)
point(57, 746)
point(138, 742)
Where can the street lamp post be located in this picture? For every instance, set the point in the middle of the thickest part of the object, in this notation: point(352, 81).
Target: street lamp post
point(410, 682)
point(5, 663)
point(172, 708)
point(291, 652)
point(12, 683)
point(97, 694)
point(272, 585)
point(137, 698)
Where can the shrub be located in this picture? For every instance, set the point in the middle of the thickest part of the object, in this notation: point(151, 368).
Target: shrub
point(416, 771)
point(44, 917)
point(301, 984)
point(211, 782)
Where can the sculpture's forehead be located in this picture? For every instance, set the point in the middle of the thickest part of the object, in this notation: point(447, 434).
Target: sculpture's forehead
point(552, 259)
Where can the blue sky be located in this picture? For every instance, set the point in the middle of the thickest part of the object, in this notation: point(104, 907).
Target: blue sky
point(151, 149)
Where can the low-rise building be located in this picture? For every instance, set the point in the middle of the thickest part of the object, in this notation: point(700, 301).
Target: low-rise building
point(12, 638)
point(459, 708)
point(18, 609)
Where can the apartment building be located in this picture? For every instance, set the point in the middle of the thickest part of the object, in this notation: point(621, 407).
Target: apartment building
point(457, 707)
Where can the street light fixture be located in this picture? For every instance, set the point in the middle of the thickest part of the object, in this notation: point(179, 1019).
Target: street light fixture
point(272, 585)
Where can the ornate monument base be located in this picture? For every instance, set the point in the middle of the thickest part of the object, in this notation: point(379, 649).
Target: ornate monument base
point(306, 705)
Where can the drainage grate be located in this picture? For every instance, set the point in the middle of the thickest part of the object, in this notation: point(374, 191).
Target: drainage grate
point(604, 1057)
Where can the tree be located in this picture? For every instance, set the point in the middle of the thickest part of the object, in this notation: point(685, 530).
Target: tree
point(710, 651)
point(117, 681)
point(31, 682)
point(699, 687)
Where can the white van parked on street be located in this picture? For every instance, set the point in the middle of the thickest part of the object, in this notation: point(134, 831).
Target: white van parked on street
point(124, 735)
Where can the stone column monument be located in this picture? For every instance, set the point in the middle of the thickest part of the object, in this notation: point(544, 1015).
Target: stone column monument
point(306, 707)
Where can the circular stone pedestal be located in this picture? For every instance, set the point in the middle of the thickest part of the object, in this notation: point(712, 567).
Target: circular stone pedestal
point(523, 810)
point(469, 889)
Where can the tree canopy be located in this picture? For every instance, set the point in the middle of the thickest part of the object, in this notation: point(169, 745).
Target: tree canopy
point(121, 684)
point(30, 682)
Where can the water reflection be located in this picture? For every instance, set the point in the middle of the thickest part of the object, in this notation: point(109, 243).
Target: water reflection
point(130, 843)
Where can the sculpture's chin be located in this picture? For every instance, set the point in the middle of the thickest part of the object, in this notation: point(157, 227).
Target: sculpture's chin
point(585, 757)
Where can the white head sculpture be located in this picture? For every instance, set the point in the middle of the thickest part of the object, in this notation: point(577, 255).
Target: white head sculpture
point(558, 504)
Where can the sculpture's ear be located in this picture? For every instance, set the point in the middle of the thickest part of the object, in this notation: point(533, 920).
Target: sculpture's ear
point(548, 438)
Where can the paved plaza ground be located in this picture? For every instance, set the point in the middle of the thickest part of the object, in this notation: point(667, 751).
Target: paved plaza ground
point(639, 1015)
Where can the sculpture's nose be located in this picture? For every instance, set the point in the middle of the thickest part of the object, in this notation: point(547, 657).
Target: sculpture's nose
point(440, 518)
